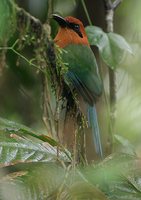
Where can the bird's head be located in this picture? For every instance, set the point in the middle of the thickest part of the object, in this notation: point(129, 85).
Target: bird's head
point(71, 31)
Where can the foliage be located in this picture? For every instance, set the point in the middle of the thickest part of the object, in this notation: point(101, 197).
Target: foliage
point(14, 140)
point(35, 165)
point(111, 45)
point(31, 170)
point(35, 170)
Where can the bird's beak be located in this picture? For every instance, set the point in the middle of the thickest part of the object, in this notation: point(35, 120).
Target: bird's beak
point(60, 20)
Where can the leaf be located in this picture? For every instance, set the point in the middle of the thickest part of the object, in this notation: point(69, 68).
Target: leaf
point(21, 130)
point(96, 36)
point(19, 150)
point(55, 182)
point(124, 189)
point(7, 19)
point(52, 182)
point(120, 42)
point(117, 176)
point(16, 147)
point(48, 139)
point(109, 169)
point(111, 45)
point(125, 146)
point(84, 190)
point(41, 182)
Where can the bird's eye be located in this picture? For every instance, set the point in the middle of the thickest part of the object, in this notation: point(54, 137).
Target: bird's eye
point(76, 26)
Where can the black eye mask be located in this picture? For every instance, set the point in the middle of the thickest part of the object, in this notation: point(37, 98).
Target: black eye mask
point(75, 27)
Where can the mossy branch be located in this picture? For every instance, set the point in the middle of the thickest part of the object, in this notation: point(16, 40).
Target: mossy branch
point(32, 32)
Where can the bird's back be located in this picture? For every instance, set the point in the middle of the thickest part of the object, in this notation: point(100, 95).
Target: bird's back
point(83, 71)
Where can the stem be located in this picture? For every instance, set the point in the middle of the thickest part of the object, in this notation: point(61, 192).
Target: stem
point(50, 10)
point(49, 81)
point(109, 20)
point(47, 109)
point(116, 3)
point(86, 12)
point(112, 88)
point(107, 4)
point(21, 56)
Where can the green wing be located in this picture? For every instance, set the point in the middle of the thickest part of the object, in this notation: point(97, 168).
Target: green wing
point(83, 72)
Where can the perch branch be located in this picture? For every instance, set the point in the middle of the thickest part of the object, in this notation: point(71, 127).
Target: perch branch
point(116, 3)
point(45, 57)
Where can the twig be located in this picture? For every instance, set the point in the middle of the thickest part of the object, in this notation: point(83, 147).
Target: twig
point(50, 10)
point(86, 12)
point(30, 62)
point(107, 4)
point(116, 3)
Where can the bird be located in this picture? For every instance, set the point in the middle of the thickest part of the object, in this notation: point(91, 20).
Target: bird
point(83, 73)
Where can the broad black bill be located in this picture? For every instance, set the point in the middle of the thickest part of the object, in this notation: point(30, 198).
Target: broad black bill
point(61, 21)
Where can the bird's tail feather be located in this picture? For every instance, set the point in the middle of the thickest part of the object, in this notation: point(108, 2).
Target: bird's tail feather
point(93, 123)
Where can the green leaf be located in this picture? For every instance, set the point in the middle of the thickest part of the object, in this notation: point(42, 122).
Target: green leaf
point(11, 131)
point(96, 36)
point(120, 179)
point(14, 149)
point(119, 42)
point(42, 181)
point(109, 169)
point(21, 130)
point(118, 176)
point(125, 146)
point(7, 19)
point(84, 190)
point(111, 46)
point(124, 188)
point(50, 182)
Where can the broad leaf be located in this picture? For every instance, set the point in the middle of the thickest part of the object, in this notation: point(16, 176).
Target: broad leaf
point(14, 149)
point(7, 19)
point(21, 130)
point(125, 146)
point(51, 182)
point(111, 46)
point(117, 176)
point(42, 181)
point(83, 190)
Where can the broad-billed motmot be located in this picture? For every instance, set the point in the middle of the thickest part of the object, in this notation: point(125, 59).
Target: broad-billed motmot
point(82, 71)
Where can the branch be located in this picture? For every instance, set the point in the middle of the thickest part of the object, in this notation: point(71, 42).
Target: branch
point(45, 58)
point(109, 5)
point(24, 19)
point(116, 3)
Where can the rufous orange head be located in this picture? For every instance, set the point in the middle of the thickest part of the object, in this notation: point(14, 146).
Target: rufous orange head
point(71, 31)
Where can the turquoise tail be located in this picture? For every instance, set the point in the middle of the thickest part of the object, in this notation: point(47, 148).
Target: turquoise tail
point(93, 123)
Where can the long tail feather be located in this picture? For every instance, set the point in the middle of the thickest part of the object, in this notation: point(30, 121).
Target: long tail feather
point(93, 123)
